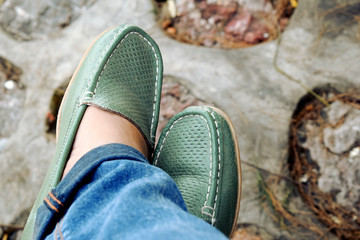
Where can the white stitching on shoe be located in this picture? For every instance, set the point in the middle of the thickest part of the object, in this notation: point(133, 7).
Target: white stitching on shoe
point(152, 135)
point(81, 100)
point(106, 49)
point(205, 207)
point(219, 155)
point(86, 93)
point(208, 191)
point(166, 134)
point(87, 96)
point(171, 127)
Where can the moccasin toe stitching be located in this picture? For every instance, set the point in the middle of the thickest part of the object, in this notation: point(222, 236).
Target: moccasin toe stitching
point(132, 66)
point(129, 86)
point(213, 196)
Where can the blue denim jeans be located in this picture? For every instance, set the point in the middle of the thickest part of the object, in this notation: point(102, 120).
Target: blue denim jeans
point(114, 193)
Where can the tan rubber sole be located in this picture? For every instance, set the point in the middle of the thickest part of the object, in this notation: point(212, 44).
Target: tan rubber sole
point(238, 164)
point(223, 114)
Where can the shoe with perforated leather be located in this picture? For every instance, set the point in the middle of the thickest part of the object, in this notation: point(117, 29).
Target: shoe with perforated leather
point(199, 150)
point(121, 73)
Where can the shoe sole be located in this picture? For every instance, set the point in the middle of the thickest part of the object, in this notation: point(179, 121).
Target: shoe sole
point(223, 114)
point(238, 163)
point(52, 176)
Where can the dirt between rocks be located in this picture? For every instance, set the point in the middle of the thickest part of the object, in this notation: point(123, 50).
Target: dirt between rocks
point(175, 97)
point(324, 158)
point(12, 96)
point(224, 24)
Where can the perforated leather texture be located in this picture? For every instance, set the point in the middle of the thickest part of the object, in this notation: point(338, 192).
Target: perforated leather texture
point(122, 73)
point(128, 83)
point(197, 150)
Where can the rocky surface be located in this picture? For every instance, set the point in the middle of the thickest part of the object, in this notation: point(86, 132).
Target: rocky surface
point(175, 97)
point(328, 181)
point(12, 95)
point(334, 145)
point(224, 24)
point(243, 82)
point(341, 137)
point(27, 20)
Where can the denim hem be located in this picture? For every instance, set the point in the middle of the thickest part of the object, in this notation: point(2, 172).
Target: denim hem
point(88, 163)
point(60, 198)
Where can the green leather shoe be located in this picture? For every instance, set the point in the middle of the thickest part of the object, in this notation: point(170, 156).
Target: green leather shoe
point(199, 150)
point(121, 72)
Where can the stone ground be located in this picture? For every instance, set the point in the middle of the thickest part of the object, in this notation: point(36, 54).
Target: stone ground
point(243, 82)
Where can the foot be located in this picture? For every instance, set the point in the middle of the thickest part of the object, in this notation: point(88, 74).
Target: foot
point(199, 150)
point(122, 73)
point(99, 127)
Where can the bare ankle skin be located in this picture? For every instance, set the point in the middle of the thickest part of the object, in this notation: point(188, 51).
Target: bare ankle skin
point(99, 127)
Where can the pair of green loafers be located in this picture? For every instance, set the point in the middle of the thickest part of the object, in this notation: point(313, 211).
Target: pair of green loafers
point(121, 73)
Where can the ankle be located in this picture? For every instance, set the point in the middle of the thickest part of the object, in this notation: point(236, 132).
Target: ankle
point(98, 128)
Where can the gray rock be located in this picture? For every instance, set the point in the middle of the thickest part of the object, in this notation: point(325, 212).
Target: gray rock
point(12, 96)
point(335, 150)
point(341, 139)
point(336, 111)
point(254, 5)
point(27, 20)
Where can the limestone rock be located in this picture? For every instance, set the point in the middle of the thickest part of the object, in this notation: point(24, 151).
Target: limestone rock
point(341, 139)
point(336, 111)
point(334, 149)
point(242, 82)
point(27, 20)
